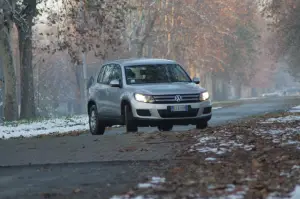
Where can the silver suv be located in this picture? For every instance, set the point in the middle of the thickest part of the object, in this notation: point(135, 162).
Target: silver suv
point(146, 92)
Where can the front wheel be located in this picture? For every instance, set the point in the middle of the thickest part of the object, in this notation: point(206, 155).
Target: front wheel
point(165, 127)
point(96, 127)
point(202, 125)
point(129, 120)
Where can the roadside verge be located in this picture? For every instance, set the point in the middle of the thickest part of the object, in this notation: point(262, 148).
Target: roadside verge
point(257, 158)
point(249, 100)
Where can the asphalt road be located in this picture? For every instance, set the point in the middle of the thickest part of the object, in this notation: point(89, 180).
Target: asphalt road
point(101, 166)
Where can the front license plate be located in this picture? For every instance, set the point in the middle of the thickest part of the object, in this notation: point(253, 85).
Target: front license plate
point(179, 108)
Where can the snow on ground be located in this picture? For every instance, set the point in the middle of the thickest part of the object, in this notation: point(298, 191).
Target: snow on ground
point(295, 194)
point(214, 146)
point(57, 125)
point(222, 145)
point(250, 98)
point(290, 118)
point(158, 182)
point(218, 145)
point(42, 127)
point(215, 108)
point(295, 109)
point(283, 136)
point(155, 182)
point(285, 133)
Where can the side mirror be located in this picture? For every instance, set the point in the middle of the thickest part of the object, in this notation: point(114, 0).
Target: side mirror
point(196, 80)
point(90, 82)
point(115, 83)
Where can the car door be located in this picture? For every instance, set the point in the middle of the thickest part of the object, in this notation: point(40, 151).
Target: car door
point(114, 93)
point(105, 87)
point(96, 90)
point(101, 90)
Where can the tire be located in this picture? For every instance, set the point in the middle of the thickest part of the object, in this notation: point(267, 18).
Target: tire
point(129, 120)
point(202, 125)
point(165, 127)
point(96, 126)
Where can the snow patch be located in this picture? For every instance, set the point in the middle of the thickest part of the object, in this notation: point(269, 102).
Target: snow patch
point(57, 125)
point(219, 146)
point(295, 194)
point(210, 159)
point(215, 108)
point(153, 183)
point(283, 137)
point(295, 109)
point(290, 118)
point(49, 126)
point(250, 98)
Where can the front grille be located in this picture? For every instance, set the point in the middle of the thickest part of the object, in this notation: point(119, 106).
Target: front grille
point(167, 113)
point(170, 99)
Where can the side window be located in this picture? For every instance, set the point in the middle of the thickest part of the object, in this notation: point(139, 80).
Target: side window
point(99, 79)
point(117, 73)
point(177, 73)
point(107, 73)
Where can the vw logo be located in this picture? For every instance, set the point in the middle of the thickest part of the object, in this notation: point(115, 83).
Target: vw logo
point(178, 98)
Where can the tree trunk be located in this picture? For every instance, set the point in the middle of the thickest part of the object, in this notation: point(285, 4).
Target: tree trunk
point(79, 96)
point(239, 90)
point(26, 74)
point(214, 87)
point(26, 70)
point(6, 53)
point(137, 49)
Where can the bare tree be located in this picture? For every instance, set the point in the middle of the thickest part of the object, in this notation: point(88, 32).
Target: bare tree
point(27, 10)
point(7, 13)
point(283, 17)
point(83, 27)
point(140, 24)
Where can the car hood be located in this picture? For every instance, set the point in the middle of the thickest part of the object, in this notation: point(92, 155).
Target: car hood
point(168, 88)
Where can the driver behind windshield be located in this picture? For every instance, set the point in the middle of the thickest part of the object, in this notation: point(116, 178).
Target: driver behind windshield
point(154, 74)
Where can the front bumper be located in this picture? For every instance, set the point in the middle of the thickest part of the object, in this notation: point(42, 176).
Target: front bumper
point(153, 114)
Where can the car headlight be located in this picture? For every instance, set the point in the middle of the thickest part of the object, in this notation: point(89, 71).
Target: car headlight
point(143, 98)
point(204, 96)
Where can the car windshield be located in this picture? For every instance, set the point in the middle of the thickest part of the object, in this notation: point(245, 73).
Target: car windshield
point(160, 73)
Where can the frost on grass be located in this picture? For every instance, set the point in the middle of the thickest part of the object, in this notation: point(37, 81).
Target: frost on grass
point(58, 125)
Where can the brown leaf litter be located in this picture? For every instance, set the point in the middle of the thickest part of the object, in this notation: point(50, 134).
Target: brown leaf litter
point(252, 159)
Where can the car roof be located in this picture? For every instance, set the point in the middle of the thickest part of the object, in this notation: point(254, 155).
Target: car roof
point(141, 61)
